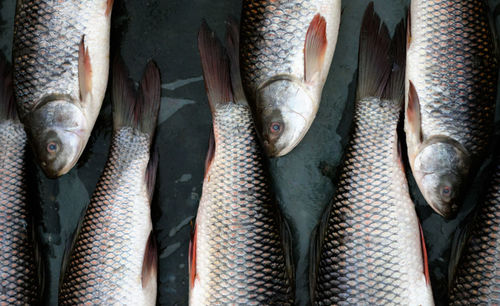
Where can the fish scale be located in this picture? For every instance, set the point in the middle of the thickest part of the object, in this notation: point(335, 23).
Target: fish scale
point(18, 272)
point(453, 65)
point(108, 255)
point(239, 251)
point(43, 38)
point(371, 246)
point(273, 43)
point(478, 274)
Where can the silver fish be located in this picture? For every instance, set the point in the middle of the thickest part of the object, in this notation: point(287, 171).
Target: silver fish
point(61, 55)
point(286, 51)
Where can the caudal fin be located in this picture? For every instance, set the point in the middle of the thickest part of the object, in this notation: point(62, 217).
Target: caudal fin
point(137, 109)
point(232, 47)
point(215, 66)
point(374, 61)
point(7, 104)
point(395, 88)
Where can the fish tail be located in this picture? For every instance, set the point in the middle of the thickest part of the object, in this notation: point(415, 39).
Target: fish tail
point(374, 62)
point(395, 88)
point(215, 66)
point(136, 109)
point(232, 47)
point(7, 103)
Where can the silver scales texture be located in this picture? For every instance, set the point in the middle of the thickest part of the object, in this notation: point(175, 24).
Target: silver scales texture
point(106, 259)
point(364, 254)
point(457, 70)
point(45, 52)
point(477, 280)
point(18, 271)
point(239, 244)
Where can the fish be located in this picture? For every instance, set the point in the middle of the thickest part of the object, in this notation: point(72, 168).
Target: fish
point(478, 273)
point(452, 73)
point(60, 57)
point(113, 259)
point(368, 248)
point(286, 51)
point(239, 249)
point(20, 277)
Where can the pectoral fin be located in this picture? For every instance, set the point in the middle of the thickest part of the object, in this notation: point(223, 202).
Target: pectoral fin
point(84, 71)
point(315, 49)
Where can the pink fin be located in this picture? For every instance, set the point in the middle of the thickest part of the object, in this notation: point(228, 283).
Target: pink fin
point(210, 152)
point(424, 255)
point(413, 111)
point(215, 66)
point(84, 70)
point(150, 262)
point(109, 7)
point(408, 29)
point(192, 258)
point(315, 49)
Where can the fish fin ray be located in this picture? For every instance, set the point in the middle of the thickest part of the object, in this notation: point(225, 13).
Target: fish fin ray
point(413, 111)
point(84, 71)
point(210, 151)
point(374, 63)
point(424, 255)
point(7, 103)
point(232, 47)
point(123, 94)
point(109, 7)
point(151, 173)
point(315, 49)
point(316, 243)
point(192, 258)
point(215, 67)
point(150, 261)
point(395, 87)
point(148, 99)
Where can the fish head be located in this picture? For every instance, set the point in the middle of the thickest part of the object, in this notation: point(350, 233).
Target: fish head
point(440, 168)
point(285, 111)
point(58, 134)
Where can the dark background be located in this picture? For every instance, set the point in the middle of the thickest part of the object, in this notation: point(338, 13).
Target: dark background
point(166, 31)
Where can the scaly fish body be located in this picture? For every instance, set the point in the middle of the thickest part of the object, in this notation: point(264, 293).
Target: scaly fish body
point(19, 283)
point(369, 249)
point(478, 275)
point(452, 66)
point(109, 260)
point(237, 253)
point(59, 98)
point(273, 63)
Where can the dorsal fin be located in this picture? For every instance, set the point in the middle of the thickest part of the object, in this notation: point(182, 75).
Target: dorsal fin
point(315, 49)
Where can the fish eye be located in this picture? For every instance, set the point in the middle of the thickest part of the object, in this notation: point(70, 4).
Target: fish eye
point(52, 147)
point(275, 127)
point(446, 192)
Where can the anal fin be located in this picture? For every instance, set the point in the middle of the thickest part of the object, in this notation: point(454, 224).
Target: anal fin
point(109, 7)
point(84, 71)
point(315, 49)
point(192, 258)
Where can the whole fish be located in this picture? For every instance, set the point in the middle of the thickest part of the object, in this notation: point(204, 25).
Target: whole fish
point(114, 260)
point(61, 55)
point(286, 51)
point(19, 261)
point(369, 248)
point(478, 273)
point(452, 73)
point(237, 255)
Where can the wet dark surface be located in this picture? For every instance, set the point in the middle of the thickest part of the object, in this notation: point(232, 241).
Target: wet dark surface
point(166, 31)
